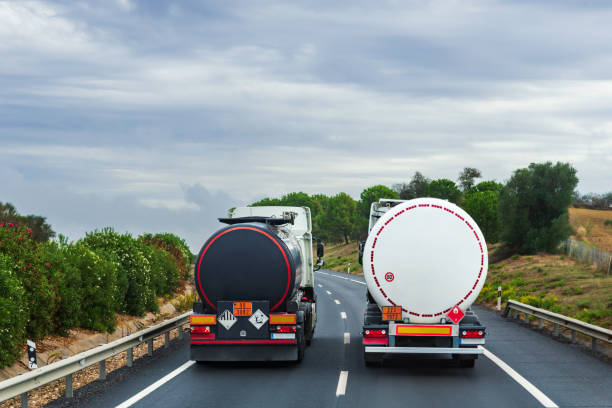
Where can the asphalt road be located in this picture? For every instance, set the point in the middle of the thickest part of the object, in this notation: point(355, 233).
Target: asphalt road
point(555, 373)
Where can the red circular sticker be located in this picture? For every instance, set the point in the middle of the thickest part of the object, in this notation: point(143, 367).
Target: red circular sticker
point(389, 276)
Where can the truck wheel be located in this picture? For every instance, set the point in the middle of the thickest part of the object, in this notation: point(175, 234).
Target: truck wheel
point(301, 343)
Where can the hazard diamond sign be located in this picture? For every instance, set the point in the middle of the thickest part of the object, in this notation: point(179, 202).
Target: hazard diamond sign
point(455, 314)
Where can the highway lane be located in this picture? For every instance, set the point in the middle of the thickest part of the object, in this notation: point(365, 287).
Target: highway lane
point(566, 375)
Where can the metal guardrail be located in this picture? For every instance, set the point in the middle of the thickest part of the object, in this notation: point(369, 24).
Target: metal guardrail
point(22, 384)
point(558, 320)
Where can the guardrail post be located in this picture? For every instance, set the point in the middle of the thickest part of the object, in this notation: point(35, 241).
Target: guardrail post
point(102, 375)
point(24, 400)
point(594, 344)
point(166, 339)
point(540, 324)
point(514, 314)
point(130, 357)
point(556, 330)
point(69, 393)
point(150, 347)
point(180, 332)
point(573, 336)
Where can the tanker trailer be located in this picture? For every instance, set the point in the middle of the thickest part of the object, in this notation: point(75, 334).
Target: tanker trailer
point(254, 279)
point(424, 263)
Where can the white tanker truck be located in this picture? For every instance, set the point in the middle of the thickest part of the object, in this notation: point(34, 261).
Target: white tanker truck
point(424, 262)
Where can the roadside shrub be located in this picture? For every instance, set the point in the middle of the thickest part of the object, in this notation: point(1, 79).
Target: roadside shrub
point(13, 313)
point(135, 295)
point(608, 223)
point(175, 246)
point(65, 280)
point(165, 273)
point(98, 287)
point(18, 245)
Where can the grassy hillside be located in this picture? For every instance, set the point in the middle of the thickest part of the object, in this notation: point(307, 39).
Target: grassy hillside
point(338, 256)
point(589, 227)
point(553, 282)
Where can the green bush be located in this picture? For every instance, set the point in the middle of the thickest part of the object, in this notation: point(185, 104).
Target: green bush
point(135, 294)
point(608, 223)
point(17, 244)
point(98, 287)
point(13, 312)
point(65, 279)
point(165, 273)
point(175, 246)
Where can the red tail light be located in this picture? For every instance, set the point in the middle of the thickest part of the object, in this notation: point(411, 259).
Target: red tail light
point(375, 333)
point(285, 329)
point(200, 329)
point(472, 334)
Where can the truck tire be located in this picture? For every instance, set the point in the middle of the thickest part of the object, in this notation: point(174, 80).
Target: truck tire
point(301, 343)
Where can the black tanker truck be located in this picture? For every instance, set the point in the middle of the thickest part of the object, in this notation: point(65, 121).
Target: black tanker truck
point(254, 279)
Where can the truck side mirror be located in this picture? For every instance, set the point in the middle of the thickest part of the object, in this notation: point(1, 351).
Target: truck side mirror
point(320, 250)
point(361, 247)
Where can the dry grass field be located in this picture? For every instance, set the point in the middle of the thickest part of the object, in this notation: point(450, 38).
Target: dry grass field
point(589, 225)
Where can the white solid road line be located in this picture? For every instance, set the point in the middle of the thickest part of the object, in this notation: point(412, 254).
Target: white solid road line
point(341, 389)
point(537, 394)
point(347, 338)
point(328, 292)
point(337, 301)
point(155, 385)
point(343, 315)
point(320, 285)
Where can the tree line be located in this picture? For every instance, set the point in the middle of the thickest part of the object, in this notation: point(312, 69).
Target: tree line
point(527, 214)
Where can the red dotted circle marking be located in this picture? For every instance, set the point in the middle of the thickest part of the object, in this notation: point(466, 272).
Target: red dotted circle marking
point(405, 211)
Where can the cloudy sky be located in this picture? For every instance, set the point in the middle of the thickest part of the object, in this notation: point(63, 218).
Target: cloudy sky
point(158, 116)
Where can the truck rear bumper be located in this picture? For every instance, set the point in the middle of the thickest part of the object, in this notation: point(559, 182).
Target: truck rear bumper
point(244, 351)
point(423, 350)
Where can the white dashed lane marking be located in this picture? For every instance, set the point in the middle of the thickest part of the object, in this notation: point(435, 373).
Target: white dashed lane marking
point(343, 315)
point(342, 379)
point(328, 292)
point(337, 301)
point(347, 338)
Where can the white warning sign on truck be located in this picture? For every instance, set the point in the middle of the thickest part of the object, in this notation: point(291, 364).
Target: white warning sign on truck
point(227, 319)
point(258, 319)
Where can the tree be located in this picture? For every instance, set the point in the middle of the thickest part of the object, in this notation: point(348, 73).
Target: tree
point(41, 231)
point(368, 196)
point(482, 206)
point(445, 189)
point(415, 189)
point(533, 207)
point(467, 176)
point(489, 185)
point(339, 216)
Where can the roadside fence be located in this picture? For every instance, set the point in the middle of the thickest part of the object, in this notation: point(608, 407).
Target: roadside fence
point(587, 254)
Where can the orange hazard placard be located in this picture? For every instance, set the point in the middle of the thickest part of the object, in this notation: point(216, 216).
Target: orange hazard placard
point(391, 313)
point(243, 308)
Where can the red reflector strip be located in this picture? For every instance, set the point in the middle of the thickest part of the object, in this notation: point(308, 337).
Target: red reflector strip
point(202, 337)
point(245, 342)
point(285, 329)
point(376, 340)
